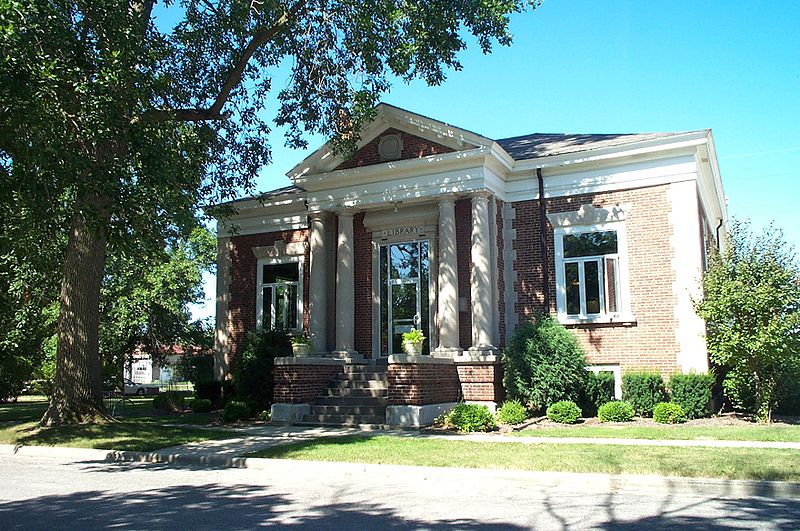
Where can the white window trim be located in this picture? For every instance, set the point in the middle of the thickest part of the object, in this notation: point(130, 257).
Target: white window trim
point(624, 313)
point(300, 261)
point(617, 377)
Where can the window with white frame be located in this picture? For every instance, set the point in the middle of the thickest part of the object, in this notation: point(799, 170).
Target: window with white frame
point(590, 273)
point(279, 295)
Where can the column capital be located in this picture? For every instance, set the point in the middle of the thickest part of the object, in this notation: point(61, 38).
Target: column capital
point(345, 212)
point(481, 195)
point(318, 215)
point(447, 199)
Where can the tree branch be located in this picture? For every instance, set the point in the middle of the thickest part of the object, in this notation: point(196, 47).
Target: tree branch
point(258, 40)
point(234, 77)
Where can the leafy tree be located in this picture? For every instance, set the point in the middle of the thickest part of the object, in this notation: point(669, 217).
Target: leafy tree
point(118, 128)
point(145, 298)
point(751, 298)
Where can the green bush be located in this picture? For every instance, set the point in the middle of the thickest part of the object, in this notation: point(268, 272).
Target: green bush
point(615, 411)
point(789, 395)
point(210, 390)
point(597, 390)
point(253, 369)
point(543, 364)
point(564, 412)
point(201, 405)
point(669, 413)
point(169, 401)
point(196, 367)
point(643, 390)
point(512, 412)
point(470, 417)
point(234, 411)
point(693, 392)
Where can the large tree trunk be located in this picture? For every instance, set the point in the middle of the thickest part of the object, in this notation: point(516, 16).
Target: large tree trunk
point(78, 390)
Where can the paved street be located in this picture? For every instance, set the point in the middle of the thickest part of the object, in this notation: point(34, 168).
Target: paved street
point(55, 493)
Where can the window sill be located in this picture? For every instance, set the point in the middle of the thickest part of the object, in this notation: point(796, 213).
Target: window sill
point(624, 320)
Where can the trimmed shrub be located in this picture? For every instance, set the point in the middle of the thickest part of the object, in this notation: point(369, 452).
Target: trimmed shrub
point(669, 413)
point(564, 412)
point(789, 395)
point(253, 371)
point(197, 367)
point(512, 412)
point(693, 392)
point(543, 364)
point(470, 417)
point(201, 405)
point(597, 390)
point(169, 401)
point(234, 411)
point(210, 390)
point(643, 390)
point(615, 411)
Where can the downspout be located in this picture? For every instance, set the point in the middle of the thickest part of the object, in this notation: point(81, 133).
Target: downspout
point(719, 243)
point(543, 242)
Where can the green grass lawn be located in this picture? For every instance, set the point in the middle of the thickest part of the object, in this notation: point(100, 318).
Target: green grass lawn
point(141, 428)
point(732, 463)
point(754, 432)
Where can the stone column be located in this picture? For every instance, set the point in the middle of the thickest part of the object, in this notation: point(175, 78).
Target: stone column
point(345, 291)
point(481, 278)
point(448, 281)
point(317, 292)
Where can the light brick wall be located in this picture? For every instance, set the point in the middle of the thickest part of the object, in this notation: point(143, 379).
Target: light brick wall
point(420, 384)
point(649, 344)
point(300, 384)
point(243, 283)
point(481, 383)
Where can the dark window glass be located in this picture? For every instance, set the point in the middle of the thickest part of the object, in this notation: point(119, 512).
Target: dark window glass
point(573, 289)
point(405, 260)
point(266, 308)
point(592, 286)
point(281, 273)
point(590, 244)
point(384, 300)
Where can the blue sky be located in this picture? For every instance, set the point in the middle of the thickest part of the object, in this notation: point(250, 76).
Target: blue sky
point(581, 66)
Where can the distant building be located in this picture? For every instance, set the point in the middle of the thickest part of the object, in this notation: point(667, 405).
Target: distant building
point(434, 227)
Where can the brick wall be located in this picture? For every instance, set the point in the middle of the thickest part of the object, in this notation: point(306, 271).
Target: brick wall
point(300, 384)
point(243, 283)
point(420, 383)
point(501, 283)
point(463, 215)
point(650, 343)
point(481, 382)
point(362, 276)
point(414, 147)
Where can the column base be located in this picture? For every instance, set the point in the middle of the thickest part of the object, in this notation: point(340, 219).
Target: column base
point(347, 355)
point(446, 352)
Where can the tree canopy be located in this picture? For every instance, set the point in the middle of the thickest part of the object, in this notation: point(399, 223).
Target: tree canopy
point(751, 304)
point(116, 128)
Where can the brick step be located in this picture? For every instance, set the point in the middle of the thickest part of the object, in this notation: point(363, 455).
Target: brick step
point(344, 420)
point(363, 377)
point(350, 401)
point(349, 392)
point(339, 409)
point(366, 384)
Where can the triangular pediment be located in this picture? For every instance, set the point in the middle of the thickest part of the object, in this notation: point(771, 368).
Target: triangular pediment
point(395, 134)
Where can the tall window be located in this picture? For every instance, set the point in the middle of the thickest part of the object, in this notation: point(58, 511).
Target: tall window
point(279, 296)
point(588, 273)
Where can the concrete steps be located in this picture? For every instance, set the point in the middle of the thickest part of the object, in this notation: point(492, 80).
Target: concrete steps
point(356, 398)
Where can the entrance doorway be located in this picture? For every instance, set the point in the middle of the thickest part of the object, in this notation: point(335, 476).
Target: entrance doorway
point(404, 293)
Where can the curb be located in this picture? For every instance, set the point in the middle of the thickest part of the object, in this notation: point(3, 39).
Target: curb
point(568, 481)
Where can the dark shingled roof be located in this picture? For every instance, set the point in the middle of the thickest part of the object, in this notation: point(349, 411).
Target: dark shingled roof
point(278, 192)
point(549, 144)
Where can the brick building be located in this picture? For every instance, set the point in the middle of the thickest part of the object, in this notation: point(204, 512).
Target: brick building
point(441, 229)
